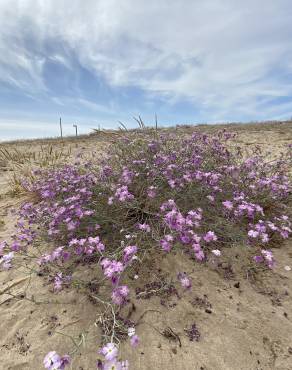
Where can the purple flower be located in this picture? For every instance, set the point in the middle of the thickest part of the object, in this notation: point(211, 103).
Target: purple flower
point(151, 192)
point(184, 280)
point(58, 282)
point(15, 246)
point(253, 234)
point(5, 260)
point(112, 365)
point(196, 238)
point(53, 361)
point(109, 351)
point(50, 359)
point(125, 365)
point(122, 194)
point(165, 243)
point(196, 247)
point(265, 238)
point(228, 204)
point(200, 255)
point(65, 360)
point(272, 226)
point(111, 268)
point(268, 256)
point(95, 243)
point(210, 237)
point(258, 259)
point(129, 252)
point(2, 246)
point(135, 340)
point(120, 294)
point(144, 227)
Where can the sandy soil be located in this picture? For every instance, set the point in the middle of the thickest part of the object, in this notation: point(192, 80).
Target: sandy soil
point(244, 321)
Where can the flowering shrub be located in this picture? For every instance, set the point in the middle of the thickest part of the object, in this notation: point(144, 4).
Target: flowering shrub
point(152, 191)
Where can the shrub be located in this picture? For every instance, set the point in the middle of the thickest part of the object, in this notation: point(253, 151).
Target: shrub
point(153, 191)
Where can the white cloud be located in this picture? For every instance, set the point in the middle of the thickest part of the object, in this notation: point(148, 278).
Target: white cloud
point(224, 56)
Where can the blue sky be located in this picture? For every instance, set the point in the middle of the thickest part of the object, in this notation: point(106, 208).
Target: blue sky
point(100, 61)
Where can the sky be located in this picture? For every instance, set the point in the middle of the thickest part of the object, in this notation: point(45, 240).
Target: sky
point(97, 62)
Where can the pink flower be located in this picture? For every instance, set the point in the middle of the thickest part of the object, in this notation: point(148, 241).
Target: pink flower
point(124, 290)
point(53, 361)
point(196, 247)
point(200, 255)
point(272, 226)
point(109, 351)
point(111, 268)
point(45, 258)
point(73, 242)
point(151, 192)
point(269, 258)
point(144, 227)
point(284, 234)
point(265, 238)
point(135, 340)
point(15, 246)
point(196, 238)
point(5, 260)
point(120, 294)
point(123, 194)
point(58, 282)
point(65, 360)
point(228, 204)
point(216, 252)
point(125, 365)
point(165, 243)
point(210, 237)
point(184, 280)
point(129, 252)
point(50, 359)
point(2, 246)
point(258, 259)
point(112, 365)
point(105, 263)
point(253, 234)
point(96, 243)
point(268, 255)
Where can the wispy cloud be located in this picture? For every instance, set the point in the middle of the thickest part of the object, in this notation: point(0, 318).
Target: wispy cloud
point(225, 59)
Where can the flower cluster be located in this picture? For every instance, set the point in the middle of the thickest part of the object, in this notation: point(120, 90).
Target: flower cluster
point(185, 229)
point(265, 257)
